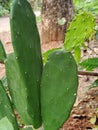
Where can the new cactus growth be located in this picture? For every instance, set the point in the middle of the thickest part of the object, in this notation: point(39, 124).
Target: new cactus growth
point(35, 90)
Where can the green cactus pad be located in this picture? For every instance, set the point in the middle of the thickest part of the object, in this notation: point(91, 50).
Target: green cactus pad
point(5, 124)
point(17, 88)
point(80, 29)
point(2, 53)
point(26, 44)
point(58, 89)
point(6, 110)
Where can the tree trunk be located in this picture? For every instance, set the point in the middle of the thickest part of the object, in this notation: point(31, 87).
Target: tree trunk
point(33, 3)
point(52, 12)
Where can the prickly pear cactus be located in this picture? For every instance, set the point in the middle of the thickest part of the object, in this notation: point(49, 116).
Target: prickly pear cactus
point(80, 29)
point(5, 124)
point(17, 88)
point(58, 89)
point(26, 44)
point(6, 110)
point(2, 53)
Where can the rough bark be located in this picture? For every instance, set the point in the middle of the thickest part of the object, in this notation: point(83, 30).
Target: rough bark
point(52, 11)
point(33, 3)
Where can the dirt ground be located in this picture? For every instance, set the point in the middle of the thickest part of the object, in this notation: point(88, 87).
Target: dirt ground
point(86, 105)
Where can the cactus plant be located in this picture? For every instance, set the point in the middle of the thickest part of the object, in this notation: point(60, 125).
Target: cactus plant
point(5, 124)
point(33, 94)
point(58, 89)
point(17, 88)
point(6, 110)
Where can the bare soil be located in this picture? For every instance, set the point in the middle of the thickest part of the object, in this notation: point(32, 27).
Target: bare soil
point(87, 100)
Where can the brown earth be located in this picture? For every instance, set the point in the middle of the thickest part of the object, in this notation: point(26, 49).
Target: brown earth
point(87, 100)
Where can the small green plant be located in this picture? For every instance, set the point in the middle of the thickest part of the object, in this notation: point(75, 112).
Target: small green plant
point(80, 30)
point(38, 19)
point(90, 63)
point(41, 94)
point(4, 7)
point(86, 5)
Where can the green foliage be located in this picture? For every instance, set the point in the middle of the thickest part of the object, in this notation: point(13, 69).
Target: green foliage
point(29, 89)
point(86, 5)
point(80, 29)
point(2, 53)
point(96, 29)
point(5, 4)
point(61, 21)
point(90, 63)
point(58, 89)
point(47, 53)
point(4, 7)
point(38, 19)
point(77, 54)
point(3, 12)
point(94, 84)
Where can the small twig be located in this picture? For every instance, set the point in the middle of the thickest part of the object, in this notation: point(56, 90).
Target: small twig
point(92, 50)
point(87, 73)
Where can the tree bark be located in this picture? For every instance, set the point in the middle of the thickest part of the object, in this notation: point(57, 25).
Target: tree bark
point(52, 12)
point(33, 3)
